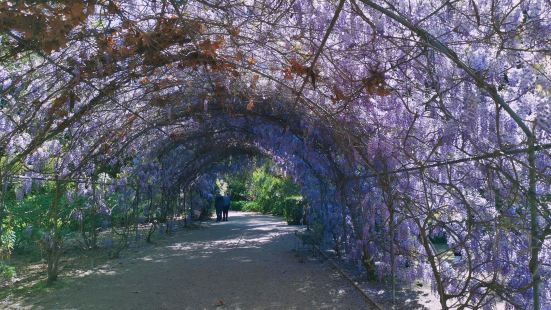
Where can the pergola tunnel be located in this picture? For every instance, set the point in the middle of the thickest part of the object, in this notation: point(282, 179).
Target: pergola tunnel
point(411, 138)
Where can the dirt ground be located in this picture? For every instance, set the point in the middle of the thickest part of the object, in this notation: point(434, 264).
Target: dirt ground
point(248, 262)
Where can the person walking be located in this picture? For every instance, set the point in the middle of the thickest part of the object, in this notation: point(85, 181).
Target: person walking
point(219, 206)
point(226, 208)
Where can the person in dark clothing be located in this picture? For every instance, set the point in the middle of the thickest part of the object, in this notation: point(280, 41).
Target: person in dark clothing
point(226, 208)
point(219, 205)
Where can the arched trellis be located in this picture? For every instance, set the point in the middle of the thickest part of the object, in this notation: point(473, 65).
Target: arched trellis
point(209, 119)
point(344, 68)
point(243, 129)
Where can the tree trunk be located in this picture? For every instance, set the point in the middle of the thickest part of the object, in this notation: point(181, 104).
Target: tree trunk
point(53, 244)
point(53, 255)
point(535, 244)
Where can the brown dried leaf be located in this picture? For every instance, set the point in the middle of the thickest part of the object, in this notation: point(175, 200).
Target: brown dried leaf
point(250, 105)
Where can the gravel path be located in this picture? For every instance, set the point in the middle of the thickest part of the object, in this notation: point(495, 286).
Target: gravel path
point(245, 263)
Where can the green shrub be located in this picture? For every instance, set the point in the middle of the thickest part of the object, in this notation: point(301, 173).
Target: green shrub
point(30, 216)
point(238, 205)
point(6, 272)
point(266, 192)
point(251, 206)
point(293, 210)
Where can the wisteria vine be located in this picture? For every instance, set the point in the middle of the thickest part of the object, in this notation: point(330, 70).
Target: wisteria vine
point(403, 122)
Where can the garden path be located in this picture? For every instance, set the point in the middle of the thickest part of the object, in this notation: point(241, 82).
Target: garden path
point(245, 263)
